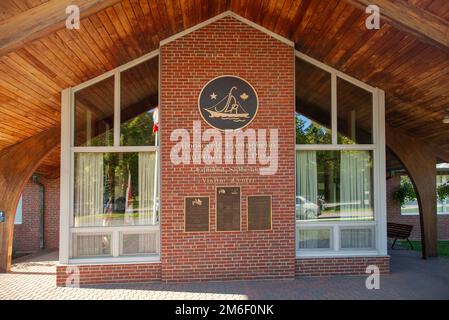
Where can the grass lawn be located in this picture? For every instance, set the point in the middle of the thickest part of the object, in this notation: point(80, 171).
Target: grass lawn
point(443, 247)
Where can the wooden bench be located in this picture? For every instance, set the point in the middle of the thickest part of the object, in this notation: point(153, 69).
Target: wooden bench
point(399, 231)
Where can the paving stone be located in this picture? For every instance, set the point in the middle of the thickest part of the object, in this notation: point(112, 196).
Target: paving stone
point(33, 277)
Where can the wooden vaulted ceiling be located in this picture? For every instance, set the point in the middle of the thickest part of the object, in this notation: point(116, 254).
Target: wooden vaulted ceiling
point(413, 72)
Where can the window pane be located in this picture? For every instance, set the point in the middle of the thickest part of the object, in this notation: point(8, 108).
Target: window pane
point(18, 217)
point(442, 205)
point(314, 239)
point(115, 189)
point(313, 104)
point(334, 185)
point(357, 238)
point(138, 97)
point(139, 243)
point(94, 114)
point(88, 245)
point(354, 114)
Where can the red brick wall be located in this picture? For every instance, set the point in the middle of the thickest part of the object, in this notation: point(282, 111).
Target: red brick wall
point(340, 266)
point(51, 222)
point(227, 47)
point(111, 273)
point(394, 214)
point(26, 235)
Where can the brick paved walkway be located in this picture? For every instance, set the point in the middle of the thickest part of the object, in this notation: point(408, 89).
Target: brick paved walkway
point(411, 278)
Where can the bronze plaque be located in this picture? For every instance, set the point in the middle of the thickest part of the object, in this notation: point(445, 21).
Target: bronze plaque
point(228, 102)
point(196, 214)
point(228, 208)
point(259, 212)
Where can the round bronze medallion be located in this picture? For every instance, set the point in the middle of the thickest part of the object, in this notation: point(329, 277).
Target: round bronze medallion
point(228, 102)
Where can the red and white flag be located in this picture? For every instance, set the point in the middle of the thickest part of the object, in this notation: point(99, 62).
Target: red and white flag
point(129, 193)
point(155, 120)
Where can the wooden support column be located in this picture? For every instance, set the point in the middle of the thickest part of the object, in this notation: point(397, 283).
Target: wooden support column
point(419, 159)
point(17, 164)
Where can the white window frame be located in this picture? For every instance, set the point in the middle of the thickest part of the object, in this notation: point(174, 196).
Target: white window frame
point(377, 148)
point(68, 150)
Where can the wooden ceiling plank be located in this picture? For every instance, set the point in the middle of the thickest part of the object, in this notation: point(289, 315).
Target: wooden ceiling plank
point(10, 83)
point(8, 87)
point(149, 23)
point(19, 78)
point(154, 12)
point(26, 120)
point(135, 16)
point(72, 67)
point(24, 123)
point(129, 35)
point(97, 45)
point(41, 21)
point(343, 38)
point(117, 44)
point(25, 62)
point(120, 33)
point(319, 22)
point(178, 14)
point(278, 9)
point(118, 54)
point(38, 48)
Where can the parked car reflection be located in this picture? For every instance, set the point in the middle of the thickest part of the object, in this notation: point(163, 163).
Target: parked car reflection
point(306, 210)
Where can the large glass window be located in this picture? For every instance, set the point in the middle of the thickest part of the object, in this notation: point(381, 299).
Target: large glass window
point(138, 97)
point(115, 183)
point(94, 114)
point(313, 104)
point(335, 154)
point(355, 114)
point(334, 185)
point(115, 189)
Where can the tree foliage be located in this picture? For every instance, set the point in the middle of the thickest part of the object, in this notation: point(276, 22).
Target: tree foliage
point(405, 192)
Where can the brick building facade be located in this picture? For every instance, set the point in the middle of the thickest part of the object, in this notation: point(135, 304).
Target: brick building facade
point(226, 46)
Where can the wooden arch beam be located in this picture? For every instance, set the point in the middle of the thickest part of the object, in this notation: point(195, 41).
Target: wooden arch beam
point(43, 20)
point(419, 159)
point(407, 17)
point(17, 164)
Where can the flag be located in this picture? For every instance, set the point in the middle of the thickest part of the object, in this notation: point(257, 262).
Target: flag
point(155, 120)
point(129, 193)
point(129, 219)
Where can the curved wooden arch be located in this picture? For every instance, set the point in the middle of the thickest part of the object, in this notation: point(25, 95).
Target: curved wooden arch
point(419, 159)
point(17, 164)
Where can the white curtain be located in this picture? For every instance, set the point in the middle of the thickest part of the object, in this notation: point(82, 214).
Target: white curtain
point(91, 245)
point(143, 243)
point(356, 239)
point(314, 239)
point(355, 185)
point(89, 189)
point(147, 188)
point(147, 184)
point(306, 175)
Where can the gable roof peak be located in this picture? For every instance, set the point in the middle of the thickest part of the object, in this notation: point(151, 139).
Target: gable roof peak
point(222, 15)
